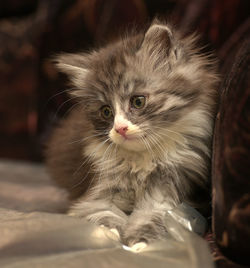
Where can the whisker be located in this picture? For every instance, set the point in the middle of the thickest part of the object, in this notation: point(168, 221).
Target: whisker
point(148, 147)
point(166, 129)
point(181, 142)
point(60, 107)
point(82, 180)
point(104, 165)
point(88, 159)
point(55, 95)
point(110, 166)
point(86, 138)
point(70, 109)
point(154, 141)
point(91, 155)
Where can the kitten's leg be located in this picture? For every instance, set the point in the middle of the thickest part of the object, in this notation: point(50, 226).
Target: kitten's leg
point(101, 212)
point(146, 223)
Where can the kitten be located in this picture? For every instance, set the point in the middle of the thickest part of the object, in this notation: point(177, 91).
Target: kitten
point(138, 141)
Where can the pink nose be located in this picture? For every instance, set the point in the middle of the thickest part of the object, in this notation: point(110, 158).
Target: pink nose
point(122, 130)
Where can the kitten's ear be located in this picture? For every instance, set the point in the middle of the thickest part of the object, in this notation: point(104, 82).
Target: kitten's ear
point(74, 65)
point(158, 44)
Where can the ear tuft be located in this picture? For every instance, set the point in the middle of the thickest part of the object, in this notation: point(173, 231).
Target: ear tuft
point(158, 37)
point(74, 65)
point(158, 44)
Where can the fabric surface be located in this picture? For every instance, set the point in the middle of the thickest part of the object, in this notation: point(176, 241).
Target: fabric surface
point(27, 187)
point(53, 240)
point(34, 234)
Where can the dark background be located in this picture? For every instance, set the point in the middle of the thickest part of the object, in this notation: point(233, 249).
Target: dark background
point(31, 31)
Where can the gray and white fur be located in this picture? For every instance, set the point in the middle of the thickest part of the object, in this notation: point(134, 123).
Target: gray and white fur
point(138, 141)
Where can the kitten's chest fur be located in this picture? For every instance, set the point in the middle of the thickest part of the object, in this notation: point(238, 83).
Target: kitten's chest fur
point(126, 177)
point(129, 186)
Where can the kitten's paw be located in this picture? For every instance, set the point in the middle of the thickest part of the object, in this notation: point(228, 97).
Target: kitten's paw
point(131, 241)
point(131, 238)
point(109, 220)
point(136, 247)
point(106, 219)
point(142, 234)
point(112, 233)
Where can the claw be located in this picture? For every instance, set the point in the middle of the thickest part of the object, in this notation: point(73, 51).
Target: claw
point(114, 231)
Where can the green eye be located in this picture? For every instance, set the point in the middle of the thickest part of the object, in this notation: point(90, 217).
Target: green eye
point(138, 102)
point(106, 112)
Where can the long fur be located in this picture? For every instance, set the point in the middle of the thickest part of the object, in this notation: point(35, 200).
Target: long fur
point(130, 184)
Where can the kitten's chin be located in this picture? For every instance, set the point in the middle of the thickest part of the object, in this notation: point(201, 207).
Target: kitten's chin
point(131, 143)
point(134, 145)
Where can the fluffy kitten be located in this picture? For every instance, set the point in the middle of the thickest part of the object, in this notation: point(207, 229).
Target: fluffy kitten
point(138, 141)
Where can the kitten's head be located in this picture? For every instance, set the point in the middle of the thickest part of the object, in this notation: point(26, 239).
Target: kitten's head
point(145, 92)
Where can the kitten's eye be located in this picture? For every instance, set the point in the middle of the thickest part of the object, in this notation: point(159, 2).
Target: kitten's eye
point(138, 102)
point(106, 112)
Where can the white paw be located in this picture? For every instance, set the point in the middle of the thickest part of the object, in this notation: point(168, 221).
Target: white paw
point(136, 247)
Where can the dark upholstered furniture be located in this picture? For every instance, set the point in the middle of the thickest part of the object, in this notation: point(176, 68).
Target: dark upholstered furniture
point(231, 159)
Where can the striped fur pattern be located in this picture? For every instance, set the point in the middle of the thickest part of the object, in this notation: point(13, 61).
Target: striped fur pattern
point(150, 149)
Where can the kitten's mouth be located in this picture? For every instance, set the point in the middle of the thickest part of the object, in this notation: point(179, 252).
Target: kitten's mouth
point(129, 138)
point(133, 137)
point(129, 141)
